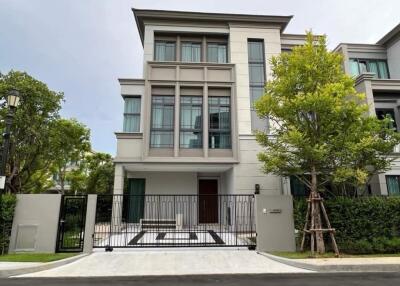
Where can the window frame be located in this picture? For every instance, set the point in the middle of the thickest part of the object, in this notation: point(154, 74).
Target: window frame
point(253, 85)
point(198, 130)
point(191, 42)
point(367, 62)
point(387, 188)
point(164, 41)
point(152, 129)
point(125, 114)
point(218, 44)
point(220, 130)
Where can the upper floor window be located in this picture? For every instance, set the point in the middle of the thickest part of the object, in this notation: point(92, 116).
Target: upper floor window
point(217, 52)
point(165, 51)
point(219, 131)
point(191, 52)
point(256, 60)
point(191, 122)
point(162, 122)
point(378, 67)
point(131, 114)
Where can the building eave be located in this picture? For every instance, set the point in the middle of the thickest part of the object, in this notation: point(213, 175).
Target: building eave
point(142, 14)
point(389, 36)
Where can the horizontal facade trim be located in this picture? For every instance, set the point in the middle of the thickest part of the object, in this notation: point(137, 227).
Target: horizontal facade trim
point(128, 135)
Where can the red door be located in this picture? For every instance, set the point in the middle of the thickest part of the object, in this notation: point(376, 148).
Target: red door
point(208, 201)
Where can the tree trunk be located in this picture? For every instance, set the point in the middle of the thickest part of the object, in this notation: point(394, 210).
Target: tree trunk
point(316, 213)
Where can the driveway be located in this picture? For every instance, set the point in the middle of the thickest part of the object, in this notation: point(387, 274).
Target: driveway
point(169, 262)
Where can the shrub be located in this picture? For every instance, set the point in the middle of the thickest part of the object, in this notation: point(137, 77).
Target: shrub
point(7, 207)
point(363, 225)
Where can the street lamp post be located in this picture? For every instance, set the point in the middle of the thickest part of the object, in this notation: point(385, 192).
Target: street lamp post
point(12, 102)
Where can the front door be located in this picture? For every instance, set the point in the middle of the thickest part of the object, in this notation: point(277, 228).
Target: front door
point(135, 200)
point(208, 201)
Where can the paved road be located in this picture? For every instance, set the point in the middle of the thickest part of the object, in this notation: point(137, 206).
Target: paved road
point(331, 279)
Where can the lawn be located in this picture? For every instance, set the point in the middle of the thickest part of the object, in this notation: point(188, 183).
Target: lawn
point(34, 257)
point(307, 254)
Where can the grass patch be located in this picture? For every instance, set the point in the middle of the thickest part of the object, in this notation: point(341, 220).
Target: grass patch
point(307, 254)
point(35, 257)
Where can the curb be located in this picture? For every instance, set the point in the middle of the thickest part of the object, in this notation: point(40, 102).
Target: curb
point(45, 266)
point(335, 268)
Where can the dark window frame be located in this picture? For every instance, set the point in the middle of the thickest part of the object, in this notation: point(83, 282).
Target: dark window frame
point(386, 179)
point(152, 129)
point(220, 130)
point(219, 44)
point(132, 113)
point(194, 130)
point(191, 42)
point(164, 41)
point(368, 61)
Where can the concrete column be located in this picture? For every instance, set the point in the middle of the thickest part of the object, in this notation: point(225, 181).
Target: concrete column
point(90, 223)
point(205, 117)
point(116, 217)
point(177, 118)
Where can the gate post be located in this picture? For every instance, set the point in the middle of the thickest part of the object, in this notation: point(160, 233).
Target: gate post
point(274, 223)
point(90, 223)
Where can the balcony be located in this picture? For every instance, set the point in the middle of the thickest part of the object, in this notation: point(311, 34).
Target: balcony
point(191, 72)
point(129, 146)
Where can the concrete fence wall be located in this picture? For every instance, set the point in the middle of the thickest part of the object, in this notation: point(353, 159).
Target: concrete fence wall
point(35, 223)
point(275, 224)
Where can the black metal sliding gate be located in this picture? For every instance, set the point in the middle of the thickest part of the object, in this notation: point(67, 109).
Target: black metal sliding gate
point(174, 221)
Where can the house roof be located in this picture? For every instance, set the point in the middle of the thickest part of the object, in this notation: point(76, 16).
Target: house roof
point(389, 36)
point(142, 14)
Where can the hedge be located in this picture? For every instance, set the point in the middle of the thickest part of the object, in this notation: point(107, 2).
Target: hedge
point(363, 225)
point(7, 207)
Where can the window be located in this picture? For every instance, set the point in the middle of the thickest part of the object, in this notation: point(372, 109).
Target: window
point(298, 188)
point(216, 52)
point(378, 67)
point(382, 113)
point(393, 186)
point(164, 51)
point(219, 122)
point(132, 114)
point(191, 52)
point(162, 122)
point(257, 80)
point(191, 135)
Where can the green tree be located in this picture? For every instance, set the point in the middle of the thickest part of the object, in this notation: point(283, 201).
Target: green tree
point(29, 141)
point(69, 141)
point(319, 125)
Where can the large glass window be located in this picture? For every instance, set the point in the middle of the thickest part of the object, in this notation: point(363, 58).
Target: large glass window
point(216, 52)
point(257, 80)
point(219, 110)
point(393, 185)
point(378, 67)
point(132, 114)
point(191, 122)
point(162, 122)
point(191, 52)
point(164, 51)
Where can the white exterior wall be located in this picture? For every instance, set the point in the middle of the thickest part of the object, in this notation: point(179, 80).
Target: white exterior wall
point(393, 55)
point(248, 172)
point(239, 56)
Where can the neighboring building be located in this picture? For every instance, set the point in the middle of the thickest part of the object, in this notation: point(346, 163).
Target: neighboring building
point(189, 123)
point(377, 71)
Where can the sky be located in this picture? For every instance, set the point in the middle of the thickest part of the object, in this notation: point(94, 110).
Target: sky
point(82, 47)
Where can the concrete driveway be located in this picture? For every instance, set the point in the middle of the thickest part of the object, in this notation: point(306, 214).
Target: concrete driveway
point(169, 262)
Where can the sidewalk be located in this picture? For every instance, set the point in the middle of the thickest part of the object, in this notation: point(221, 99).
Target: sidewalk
point(8, 269)
point(362, 264)
point(169, 262)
